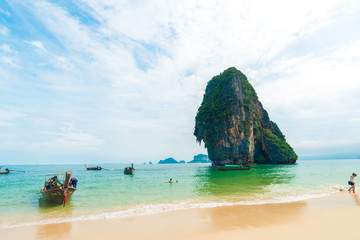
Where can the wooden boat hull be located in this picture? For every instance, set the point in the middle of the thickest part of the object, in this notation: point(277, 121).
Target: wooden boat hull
point(129, 170)
point(98, 168)
point(4, 172)
point(223, 168)
point(56, 195)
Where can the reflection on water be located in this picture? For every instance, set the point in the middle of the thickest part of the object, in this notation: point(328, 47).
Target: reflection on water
point(211, 182)
point(46, 205)
point(48, 209)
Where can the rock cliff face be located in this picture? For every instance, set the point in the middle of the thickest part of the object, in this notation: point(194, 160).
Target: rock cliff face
point(235, 127)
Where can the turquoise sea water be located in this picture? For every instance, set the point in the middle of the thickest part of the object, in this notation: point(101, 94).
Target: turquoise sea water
point(111, 194)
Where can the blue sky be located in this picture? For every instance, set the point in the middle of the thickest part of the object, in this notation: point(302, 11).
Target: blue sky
point(121, 81)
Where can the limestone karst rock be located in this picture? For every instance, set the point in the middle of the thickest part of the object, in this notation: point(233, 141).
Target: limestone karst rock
point(235, 127)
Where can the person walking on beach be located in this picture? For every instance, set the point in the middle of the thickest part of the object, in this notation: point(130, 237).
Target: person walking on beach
point(352, 183)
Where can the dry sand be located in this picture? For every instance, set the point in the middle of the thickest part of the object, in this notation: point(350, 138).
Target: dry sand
point(333, 217)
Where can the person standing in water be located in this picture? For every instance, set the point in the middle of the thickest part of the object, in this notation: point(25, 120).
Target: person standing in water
point(352, 183)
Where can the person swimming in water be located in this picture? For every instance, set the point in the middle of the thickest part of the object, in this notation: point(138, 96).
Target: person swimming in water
point(170, 181)
point(352, 183)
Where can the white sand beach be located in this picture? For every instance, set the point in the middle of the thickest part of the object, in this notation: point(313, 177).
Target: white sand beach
point(332, 217)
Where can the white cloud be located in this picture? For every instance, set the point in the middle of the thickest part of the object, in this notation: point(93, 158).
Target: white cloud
point(5, 12)
point(70, 139)
point(313, 83)
point(139, 73)
point(8, 114)
point(4, 30)
point(10, 60)
point(62, 63)
point(5, 48)
point(37, 44)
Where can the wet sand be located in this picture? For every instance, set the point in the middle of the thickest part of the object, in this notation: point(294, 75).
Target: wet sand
point(332, 217)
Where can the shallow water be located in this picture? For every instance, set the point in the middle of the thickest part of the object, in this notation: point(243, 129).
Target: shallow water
point(111, 194)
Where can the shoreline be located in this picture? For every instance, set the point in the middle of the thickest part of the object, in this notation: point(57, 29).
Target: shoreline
point(312, 217)
point(158, 208)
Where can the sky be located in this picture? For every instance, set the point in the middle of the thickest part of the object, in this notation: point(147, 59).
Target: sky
point(121, 81)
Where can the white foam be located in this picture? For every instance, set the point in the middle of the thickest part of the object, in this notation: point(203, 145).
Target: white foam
point(149, 209)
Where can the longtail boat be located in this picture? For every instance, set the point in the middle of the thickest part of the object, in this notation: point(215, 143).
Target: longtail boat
point(129, 170)
point(93, 168)
point(232, 167)
point(7, 171)
point(56, 192)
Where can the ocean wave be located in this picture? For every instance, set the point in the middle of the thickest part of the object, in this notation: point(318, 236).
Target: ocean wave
point(150, 209)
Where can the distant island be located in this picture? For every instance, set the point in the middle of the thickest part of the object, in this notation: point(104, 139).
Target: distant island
point(235, 127)
point(200, 158)
point(169, 160)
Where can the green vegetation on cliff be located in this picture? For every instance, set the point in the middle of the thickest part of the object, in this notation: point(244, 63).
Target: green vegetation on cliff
point(278, 147)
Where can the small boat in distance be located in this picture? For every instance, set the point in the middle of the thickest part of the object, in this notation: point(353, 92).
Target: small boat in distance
point(55, 191)
point(93, 168)
point(232, 167)
point(7, 171)
point(129, 170)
